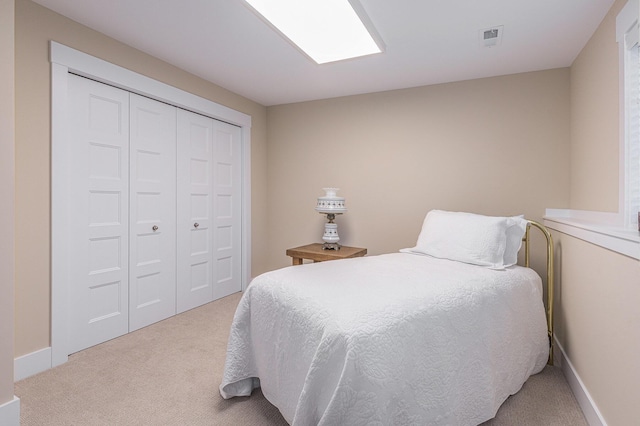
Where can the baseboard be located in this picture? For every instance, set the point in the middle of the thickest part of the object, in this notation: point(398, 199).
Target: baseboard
point(587, 404)
point(10, 413)
point(30, 364)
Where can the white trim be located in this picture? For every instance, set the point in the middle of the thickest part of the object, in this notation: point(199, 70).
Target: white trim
point(10, 412)
point(603, 218)
point(246, 208)
point(97, 69)
point(626, 18)
point(596, 228)
point(65, 60)
point(59, 231)
point(626, 25)
point(30, 364)
point(587, 404)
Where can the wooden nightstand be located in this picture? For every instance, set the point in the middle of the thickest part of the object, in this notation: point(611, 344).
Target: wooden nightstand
point(317, 254)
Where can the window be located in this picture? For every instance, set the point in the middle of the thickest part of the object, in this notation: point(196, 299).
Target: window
point(617, 231)
point(628, 37)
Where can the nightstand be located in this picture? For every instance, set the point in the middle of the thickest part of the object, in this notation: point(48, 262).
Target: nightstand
point(317, 254)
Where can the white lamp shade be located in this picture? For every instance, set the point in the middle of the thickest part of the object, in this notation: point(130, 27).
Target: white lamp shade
point(331, 203)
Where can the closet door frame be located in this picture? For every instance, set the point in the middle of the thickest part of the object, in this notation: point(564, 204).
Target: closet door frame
point(65, 60)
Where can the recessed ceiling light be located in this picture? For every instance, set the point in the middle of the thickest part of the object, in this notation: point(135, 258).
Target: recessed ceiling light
point(326, 30)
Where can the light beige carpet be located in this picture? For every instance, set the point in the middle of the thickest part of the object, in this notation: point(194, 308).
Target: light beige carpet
point(168, 374)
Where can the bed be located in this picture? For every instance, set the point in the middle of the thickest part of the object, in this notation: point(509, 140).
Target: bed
point(439, 334)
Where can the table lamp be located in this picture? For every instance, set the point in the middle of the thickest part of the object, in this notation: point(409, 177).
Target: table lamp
point(331, 205)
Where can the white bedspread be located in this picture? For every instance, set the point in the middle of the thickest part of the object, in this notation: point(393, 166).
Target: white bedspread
point(396, 339)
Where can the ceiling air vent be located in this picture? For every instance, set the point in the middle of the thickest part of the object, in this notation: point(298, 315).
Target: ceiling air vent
point(490, 37)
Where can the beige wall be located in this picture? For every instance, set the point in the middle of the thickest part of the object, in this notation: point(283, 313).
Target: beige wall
point(595, 120)
point(504, 145)
point(598, 324)
point(497, 146)
point(35, 27)
point(6, 197)
point(598, 291)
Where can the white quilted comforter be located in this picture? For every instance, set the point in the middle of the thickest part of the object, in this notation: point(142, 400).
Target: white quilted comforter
point(396, 339)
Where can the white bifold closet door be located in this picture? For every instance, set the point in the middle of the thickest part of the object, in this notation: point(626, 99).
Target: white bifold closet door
point(209, 204)
point(227, 206)
point(98, 213)
point(152, 239)
point(154, 211)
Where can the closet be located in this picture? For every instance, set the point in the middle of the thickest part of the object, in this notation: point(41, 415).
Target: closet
point(153, 211)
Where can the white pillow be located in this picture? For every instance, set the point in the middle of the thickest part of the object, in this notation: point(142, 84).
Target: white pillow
point(516, 227)
point(470, 238)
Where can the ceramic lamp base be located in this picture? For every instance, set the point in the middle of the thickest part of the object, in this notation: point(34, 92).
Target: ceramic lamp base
point(331, 237)
point(331, 246)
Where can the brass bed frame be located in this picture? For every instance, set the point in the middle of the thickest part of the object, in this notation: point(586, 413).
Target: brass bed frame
point(550, 275)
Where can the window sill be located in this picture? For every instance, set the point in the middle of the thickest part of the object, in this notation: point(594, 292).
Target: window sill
point(596, 228)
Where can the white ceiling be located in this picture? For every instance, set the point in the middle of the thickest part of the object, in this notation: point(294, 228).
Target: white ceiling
point(427, 42)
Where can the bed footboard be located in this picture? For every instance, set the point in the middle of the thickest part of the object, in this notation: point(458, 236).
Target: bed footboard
point(550, 277)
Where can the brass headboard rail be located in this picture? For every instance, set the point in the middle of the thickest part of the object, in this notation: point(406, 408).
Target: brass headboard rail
point(550, 275)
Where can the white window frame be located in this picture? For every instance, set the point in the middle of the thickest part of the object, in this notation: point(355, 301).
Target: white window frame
point(628, 38)
point(615, 231)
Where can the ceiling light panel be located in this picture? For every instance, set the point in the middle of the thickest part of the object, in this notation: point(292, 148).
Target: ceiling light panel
point(326, 30)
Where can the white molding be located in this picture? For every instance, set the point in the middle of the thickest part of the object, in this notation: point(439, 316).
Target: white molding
point(97, 69)
point(246, 208)
point(59, 225)
point(626, 19)
point(10, 412)
point(602, 218)
point(587, 404)
point(596, 228)
point(30, 364)
point(626, 26)
point(65, 60)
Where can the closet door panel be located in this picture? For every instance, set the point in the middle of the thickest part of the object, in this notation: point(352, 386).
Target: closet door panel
point(195, 198)
point(227, 205)
point(152, 276)
point(98, 212)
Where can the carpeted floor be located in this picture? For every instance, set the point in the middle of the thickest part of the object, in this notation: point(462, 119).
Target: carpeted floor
point(168, 374)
